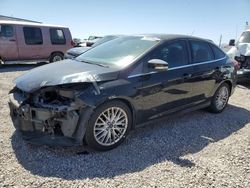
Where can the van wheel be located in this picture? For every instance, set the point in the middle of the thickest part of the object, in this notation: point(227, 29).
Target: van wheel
point(56, 57)
point(1, 62)
point(108, 126)
point(220, 99)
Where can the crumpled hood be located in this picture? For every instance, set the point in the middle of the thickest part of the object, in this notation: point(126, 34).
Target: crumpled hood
point(241, 49)
point(78, 50)
point(64, 72)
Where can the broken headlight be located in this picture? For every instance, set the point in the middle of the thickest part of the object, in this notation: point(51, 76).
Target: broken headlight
point(53, 97)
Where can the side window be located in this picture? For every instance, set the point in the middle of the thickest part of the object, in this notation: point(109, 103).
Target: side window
point(57, 36)
point(33, 35)
point(218, 53)
point(6, 31)
point(175, 54)
point(201, 51)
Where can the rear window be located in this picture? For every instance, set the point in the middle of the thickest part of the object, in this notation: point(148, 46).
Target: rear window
point(57, 36)
point(6, 31)
point(201, 51)
point(33, 35)
point(218, 53)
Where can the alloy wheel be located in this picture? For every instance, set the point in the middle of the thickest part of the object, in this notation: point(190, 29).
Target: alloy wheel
point(222, 98)
point(110, 126)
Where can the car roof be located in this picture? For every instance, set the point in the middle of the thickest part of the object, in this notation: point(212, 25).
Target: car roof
point(29, 23)
point(172, 36)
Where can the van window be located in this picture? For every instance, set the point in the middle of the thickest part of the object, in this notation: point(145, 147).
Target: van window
point(33, 35)
point(57, 36)
point(201, 51)
point(218, 53)
point(6, 31)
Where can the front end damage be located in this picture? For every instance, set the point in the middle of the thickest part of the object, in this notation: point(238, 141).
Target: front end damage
point(53, 107)
point(49, 116)
point(241, 54)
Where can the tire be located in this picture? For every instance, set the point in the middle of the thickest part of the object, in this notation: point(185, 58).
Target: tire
point(104, 134)
point(56, 57)
point(220, 99)
point(1, 62)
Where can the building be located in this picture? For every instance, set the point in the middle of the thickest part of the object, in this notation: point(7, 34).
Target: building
point(16, 19)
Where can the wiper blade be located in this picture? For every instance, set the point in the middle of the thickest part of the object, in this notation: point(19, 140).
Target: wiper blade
point(98, 64)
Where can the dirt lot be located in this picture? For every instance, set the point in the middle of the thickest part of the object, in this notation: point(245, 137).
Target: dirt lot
point(198, 149)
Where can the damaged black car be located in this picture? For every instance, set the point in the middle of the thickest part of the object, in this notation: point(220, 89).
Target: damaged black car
point(97, 98)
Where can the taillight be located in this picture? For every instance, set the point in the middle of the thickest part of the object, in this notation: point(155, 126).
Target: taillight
point(236, 65)
point(73, 43)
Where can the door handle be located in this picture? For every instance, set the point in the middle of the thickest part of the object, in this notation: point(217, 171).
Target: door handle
point(12, 40)
point(186, 76)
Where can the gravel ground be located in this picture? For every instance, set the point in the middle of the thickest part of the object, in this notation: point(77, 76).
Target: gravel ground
point(198, 149)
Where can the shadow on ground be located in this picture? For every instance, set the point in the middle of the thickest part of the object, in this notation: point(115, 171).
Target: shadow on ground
point(167, 139)
point(244, 84)
point(14, 68)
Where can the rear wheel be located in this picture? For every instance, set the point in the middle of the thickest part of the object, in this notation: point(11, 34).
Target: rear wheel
point(1, 62)
point(56, 57)
point(220, 99)
point(108, 126)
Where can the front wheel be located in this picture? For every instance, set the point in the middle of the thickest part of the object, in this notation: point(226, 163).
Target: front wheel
point(220, 99)
point(108, 126)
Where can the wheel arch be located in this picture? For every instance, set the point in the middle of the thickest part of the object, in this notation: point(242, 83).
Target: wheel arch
point(54, 52)
point(1, 60)
point(230, 84)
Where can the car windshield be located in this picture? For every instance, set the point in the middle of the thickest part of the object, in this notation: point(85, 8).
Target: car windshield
point(245, 37)
point(104, 39)
point(118, 52)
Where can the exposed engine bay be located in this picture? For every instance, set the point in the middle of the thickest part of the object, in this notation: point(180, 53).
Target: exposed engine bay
point(51, 110)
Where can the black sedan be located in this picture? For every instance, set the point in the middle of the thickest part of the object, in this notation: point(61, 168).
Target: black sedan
point(101, 95)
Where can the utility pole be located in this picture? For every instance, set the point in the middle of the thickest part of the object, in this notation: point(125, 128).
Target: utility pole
point(236, 32)
point(220, 40)
point(247, 26)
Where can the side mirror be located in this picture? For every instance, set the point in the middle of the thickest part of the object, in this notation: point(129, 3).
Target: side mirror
point(158, 64)
point(232, 42)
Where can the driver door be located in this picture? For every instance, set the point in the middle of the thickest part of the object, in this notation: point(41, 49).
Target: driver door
point(169, 90)
point(8, 42)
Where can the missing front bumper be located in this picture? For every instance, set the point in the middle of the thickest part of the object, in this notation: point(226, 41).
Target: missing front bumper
point(44, 126)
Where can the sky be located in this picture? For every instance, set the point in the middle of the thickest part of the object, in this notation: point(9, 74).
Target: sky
point(207, 19)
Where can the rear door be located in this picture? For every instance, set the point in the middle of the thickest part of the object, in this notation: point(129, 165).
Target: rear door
point(206, 69)
point(171, 90)
point(8, 42)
